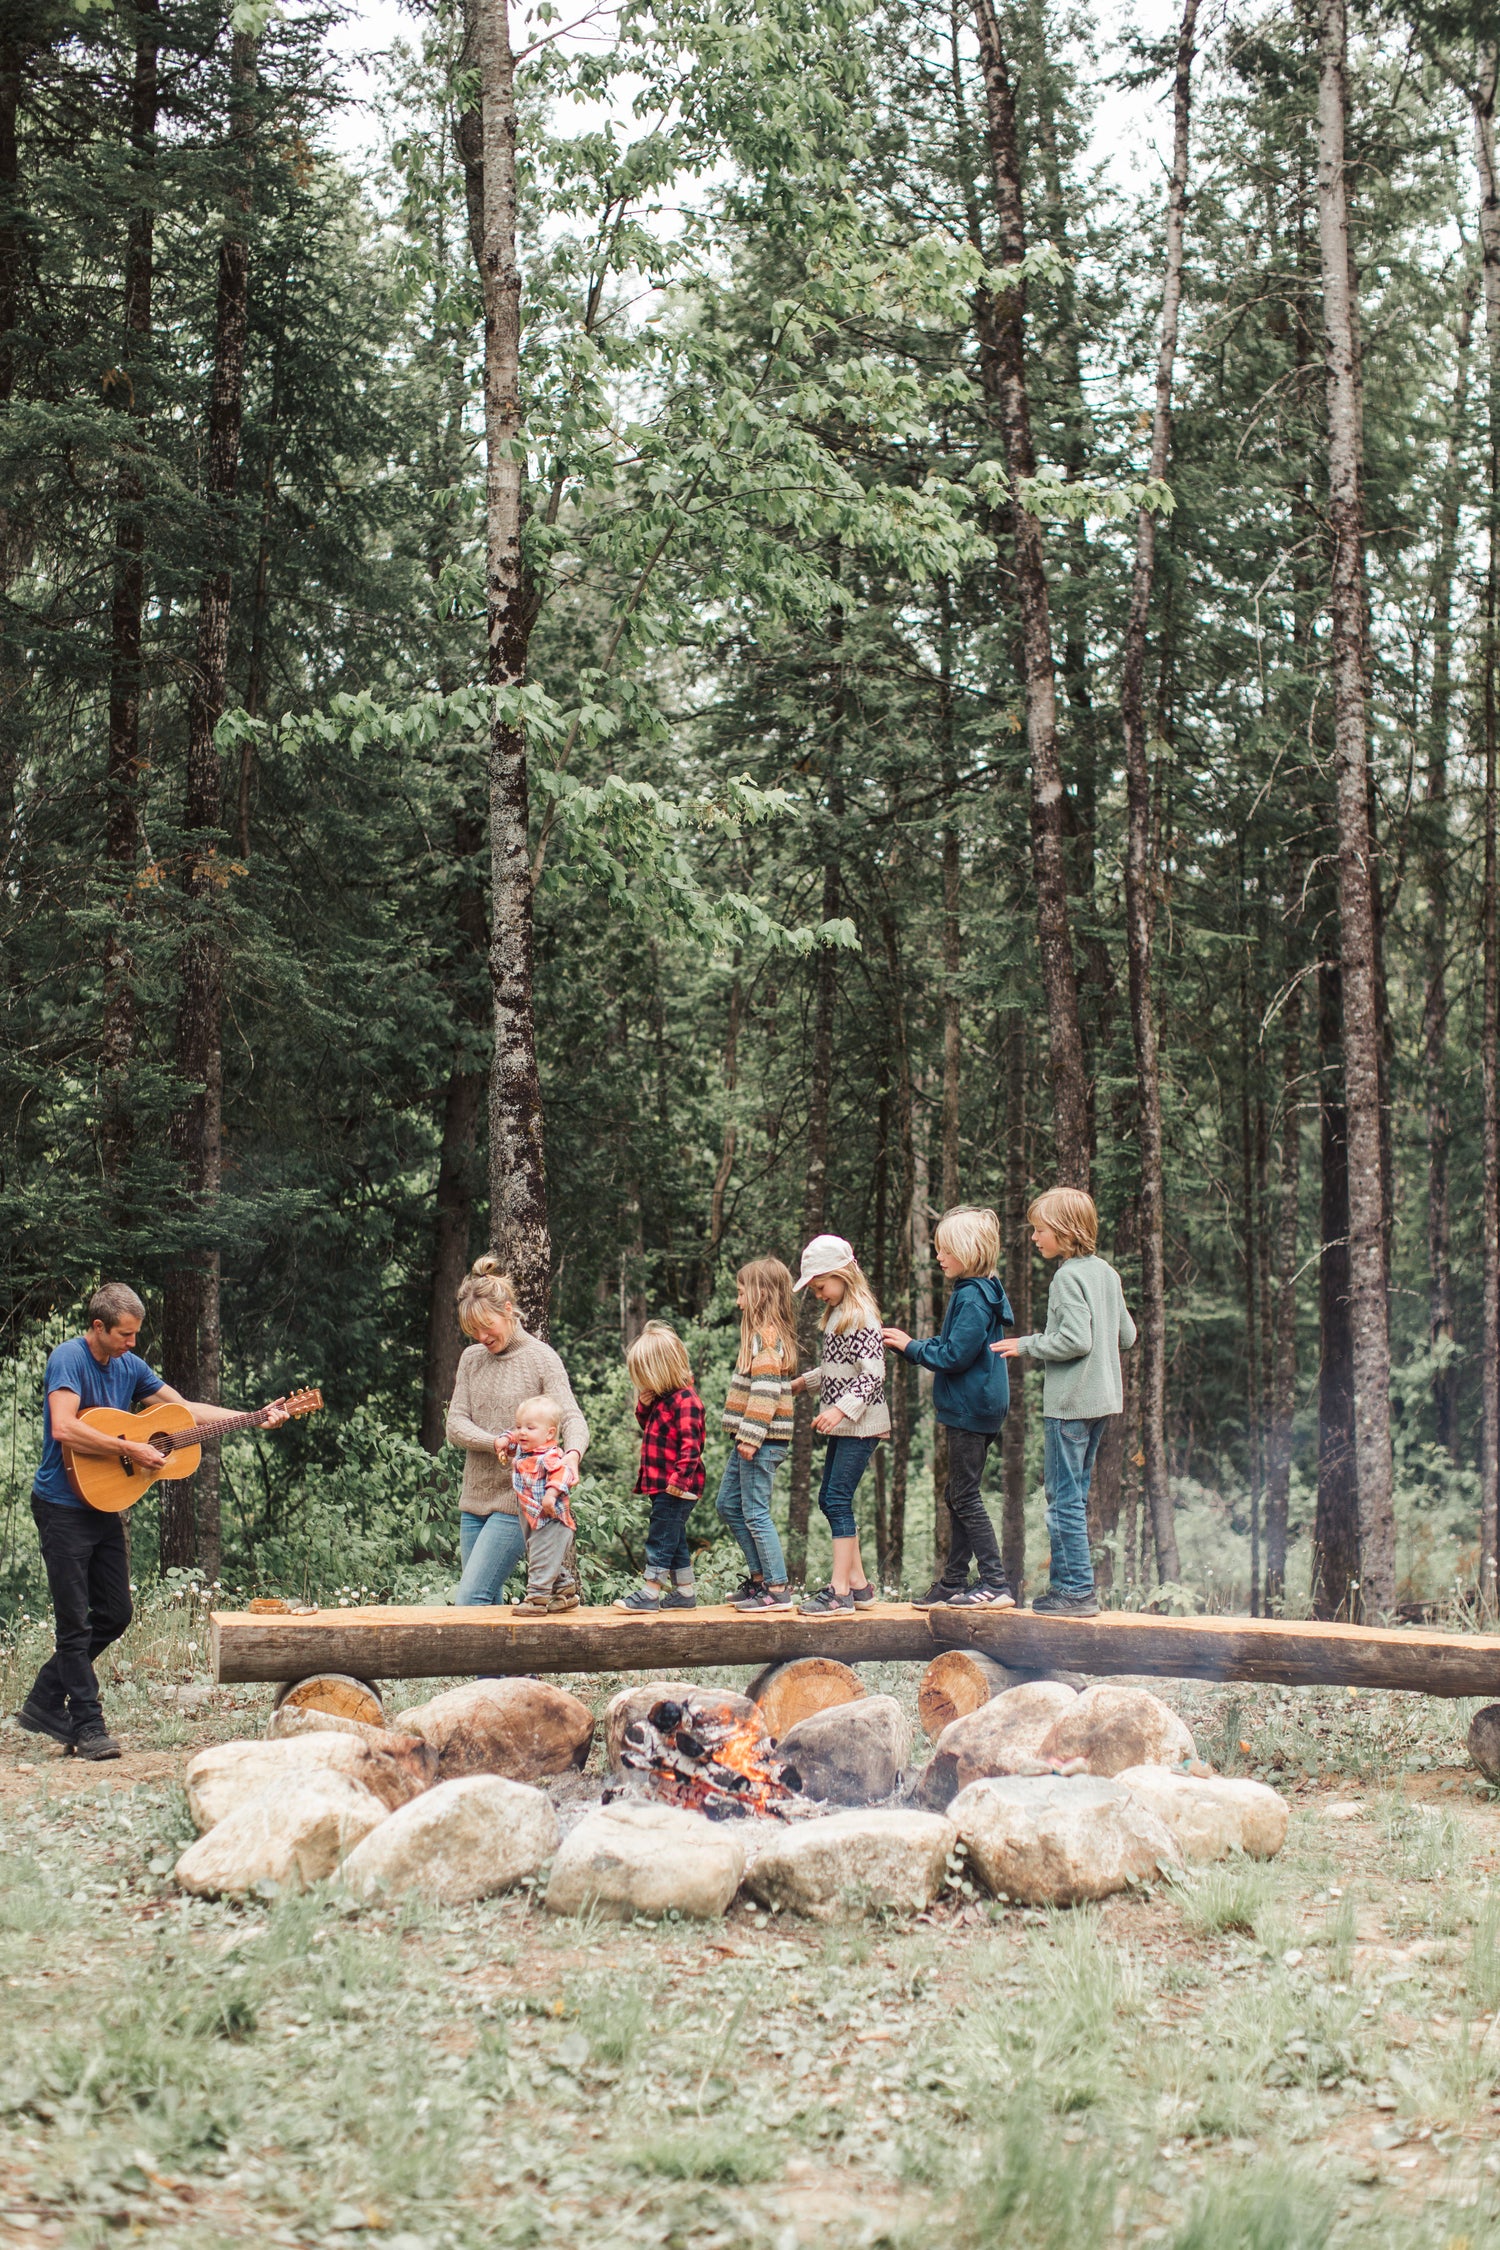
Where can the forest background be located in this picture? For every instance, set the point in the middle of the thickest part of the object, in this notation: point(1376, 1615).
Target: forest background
point(943, 725)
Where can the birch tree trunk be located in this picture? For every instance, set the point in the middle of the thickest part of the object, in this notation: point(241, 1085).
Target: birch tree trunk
point(1361, 1029)
point(1489, 237)
point(1436, 870)
point(519, 1232)
point(1140, 900)
point(1001, 326)
point(190, 1314)
point(123, 769)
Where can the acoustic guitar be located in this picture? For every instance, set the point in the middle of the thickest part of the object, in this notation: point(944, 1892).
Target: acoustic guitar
point(113, 1482)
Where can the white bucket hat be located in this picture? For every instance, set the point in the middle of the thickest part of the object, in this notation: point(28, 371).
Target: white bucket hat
point(826, 1253)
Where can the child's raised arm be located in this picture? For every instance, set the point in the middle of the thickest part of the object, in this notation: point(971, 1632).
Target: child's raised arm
point(964, 1338)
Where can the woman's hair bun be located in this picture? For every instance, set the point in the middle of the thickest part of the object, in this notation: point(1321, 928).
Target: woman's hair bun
point(486, 1264)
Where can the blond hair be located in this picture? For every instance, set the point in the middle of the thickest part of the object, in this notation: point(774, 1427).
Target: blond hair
point(657, 1362)
point(539, 1408)
point(768, 1310)
point(485, 1294)
point(970, 1232)
point(857, 1307)
point(1073, 1218)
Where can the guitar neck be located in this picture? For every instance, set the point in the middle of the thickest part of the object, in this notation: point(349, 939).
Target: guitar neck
point(208, 1433)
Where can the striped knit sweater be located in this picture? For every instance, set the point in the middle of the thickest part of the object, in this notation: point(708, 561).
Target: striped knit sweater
point(760, 1404)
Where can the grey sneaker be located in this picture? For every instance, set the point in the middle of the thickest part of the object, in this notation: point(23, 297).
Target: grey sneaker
point(679, 1597)
point(864, 1595)
point(639, 1599)
point(765, 1597)
point(827, 1604)
point(1066, 1605)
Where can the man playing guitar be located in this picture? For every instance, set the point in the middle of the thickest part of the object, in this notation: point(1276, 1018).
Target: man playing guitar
point(88, 1572)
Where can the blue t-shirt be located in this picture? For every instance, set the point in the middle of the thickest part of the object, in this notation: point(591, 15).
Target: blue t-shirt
point(72, 1367)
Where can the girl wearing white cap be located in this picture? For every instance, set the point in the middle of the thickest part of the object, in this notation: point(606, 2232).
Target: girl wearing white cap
point(853, 1416)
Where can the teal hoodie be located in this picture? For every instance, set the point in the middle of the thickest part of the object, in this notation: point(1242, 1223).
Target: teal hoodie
point(971, 1386)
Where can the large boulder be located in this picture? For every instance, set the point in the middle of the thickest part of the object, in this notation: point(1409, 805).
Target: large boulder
point(1112, 1728)
point(1055, 1840)
point(854, 1862)
point(291, 1719)
point(631, 1859)
point(463, 1840)
point(289, 1835)
point(1003, 1736)
point(1484, 1741)
point(523, 1729)
point(853, 1753)
point(220, 1779)
point(634, 1703)
point(1209, 1815)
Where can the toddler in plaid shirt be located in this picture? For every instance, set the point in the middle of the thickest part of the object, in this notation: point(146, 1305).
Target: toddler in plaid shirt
point(542, 1476)
point(670, 1414)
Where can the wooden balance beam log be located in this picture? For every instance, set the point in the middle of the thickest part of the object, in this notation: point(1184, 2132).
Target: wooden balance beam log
point(411, 1644)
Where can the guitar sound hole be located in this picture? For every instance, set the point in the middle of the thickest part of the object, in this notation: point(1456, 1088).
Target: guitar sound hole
point(161, 1441)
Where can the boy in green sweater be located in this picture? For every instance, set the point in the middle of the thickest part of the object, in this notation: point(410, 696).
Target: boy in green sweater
point(1080, 1350)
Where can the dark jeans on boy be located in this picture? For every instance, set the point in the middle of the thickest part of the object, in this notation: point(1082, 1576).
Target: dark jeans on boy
point(1069, 1452)
point(971, 1535)
point(88, 1576)
point(668, 1555)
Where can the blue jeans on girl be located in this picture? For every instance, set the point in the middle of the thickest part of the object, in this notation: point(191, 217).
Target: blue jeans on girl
point(844, 1464)
point(1068, 1464)
point(744, 1503)
point(491, 1547)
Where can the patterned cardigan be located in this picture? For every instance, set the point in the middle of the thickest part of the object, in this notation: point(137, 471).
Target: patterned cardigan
point(852, 1377)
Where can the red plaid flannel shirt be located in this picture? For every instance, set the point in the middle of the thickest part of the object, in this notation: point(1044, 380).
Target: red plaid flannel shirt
point(671, 1445)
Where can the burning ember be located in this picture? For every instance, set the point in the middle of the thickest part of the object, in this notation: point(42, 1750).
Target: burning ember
point(709, 1762)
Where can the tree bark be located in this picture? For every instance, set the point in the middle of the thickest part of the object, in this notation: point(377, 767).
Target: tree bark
point(1282, 1399)
point(1018, 1289)
point(1335, 1568)
point(899, 1368)
point(814, 1205)
point(519, 1230)
point(1436, 937)
point(730, 1138)
point(1489, 235)
point(123, 768)
point(1140, 874)
point(1001, 327)
point(190, 1317)
point(463, 1104)
point(1368, 1310)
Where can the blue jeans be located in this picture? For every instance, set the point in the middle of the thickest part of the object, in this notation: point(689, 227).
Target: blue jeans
point(744, 1503)
point(844, 1464)
point(491, 1548)
point(668, 1554)
point(1069, 1453)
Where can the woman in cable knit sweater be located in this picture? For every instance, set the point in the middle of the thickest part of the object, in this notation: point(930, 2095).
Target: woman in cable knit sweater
point(853, 1416)
point(503, 1366)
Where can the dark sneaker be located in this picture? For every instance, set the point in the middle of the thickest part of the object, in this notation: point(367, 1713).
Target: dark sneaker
point(766, 1597)
point(864, 1595)
point(37, 1721)
point(984, 1597)
point(937, 1596)
point(95, 1741)
point(679, 1597)
point(1066, 1605)
point(640, 1599)
point(745, 1588)
point(827, 1604)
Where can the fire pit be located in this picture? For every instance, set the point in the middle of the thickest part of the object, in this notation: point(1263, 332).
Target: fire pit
point(710, 1762)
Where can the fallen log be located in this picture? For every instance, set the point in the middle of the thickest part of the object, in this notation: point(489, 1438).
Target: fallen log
point(338, 1694)
point(785, 1693)
point(956, 1683)
point(390, 1644)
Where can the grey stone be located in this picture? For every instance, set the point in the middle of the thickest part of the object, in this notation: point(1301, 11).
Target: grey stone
point(1211, 1816)
point(223, 1777)
point(463, 1840)
point(293, 1833)
point(1056, 1840)
point(852, 1754)
point(629, 1859)
point(853, 1862)
point(1112, 1727)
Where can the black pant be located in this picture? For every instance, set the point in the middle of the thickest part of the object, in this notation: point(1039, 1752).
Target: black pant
point(88, 1576)
point(971, 1535)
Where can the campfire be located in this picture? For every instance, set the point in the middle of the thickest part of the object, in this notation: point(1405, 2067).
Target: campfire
point(709, 1762)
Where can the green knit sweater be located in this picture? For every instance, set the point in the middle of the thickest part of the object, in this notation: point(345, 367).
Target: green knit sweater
point(1080, 1345)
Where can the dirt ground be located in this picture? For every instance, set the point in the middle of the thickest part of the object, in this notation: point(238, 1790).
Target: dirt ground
point(1276, 2056)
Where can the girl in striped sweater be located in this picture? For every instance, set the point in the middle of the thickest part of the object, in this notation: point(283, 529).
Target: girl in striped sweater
point(852, 1413)
point(758, 1416)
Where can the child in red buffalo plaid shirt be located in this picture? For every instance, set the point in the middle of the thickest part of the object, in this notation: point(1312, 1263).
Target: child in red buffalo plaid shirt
point(670, 1413)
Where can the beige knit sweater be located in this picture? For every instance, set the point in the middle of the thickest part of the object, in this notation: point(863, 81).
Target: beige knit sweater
point(487, 1390)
